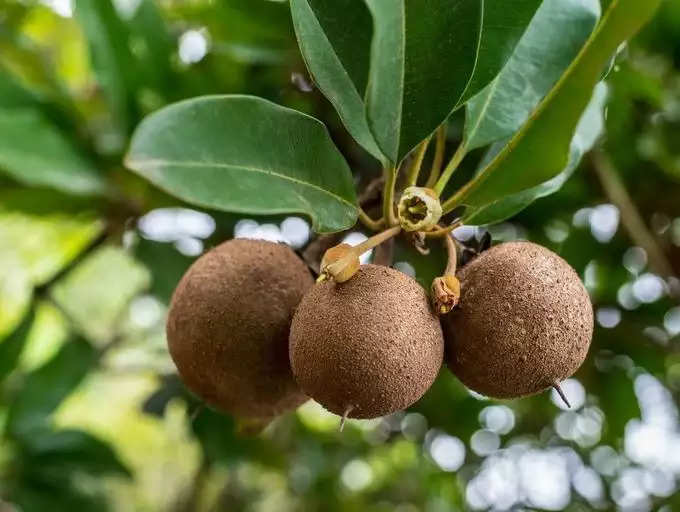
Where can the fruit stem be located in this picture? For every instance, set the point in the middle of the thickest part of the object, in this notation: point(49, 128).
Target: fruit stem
point(343, 268)
point(453, 164)
point(375, 240)
point(438, 160)
point(417, 163)
point(452, 254)
point(368, 222)
point(446, 289)
point(557, 388)
point(388, 195)
point(440, 232)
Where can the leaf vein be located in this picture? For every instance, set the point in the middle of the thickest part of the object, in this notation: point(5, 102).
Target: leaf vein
point(159, 163)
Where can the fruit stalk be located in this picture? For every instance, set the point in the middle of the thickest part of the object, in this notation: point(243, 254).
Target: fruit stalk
point(446, 289)
point(456, 159)
point(341, 262)
point(368, 222)
point(388, 196)
point(417, 163)
point(443, 232)
point(440, 147)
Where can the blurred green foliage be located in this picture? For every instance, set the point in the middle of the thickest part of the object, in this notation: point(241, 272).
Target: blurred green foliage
point(92, 415)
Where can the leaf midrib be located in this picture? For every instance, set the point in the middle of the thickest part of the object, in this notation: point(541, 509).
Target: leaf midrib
point(334, 55)
point(336, 101)
point(493, 89)
point(154, 163)
point(482, 6)
point(480, 178)
point(402, 81)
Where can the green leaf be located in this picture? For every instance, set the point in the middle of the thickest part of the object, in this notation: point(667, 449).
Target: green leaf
point(262, 24)
point(33, 151)
point(155, 47)
point(45, 388)
point(588, 131)
point(16, 290)
point(540, 150)
point(12, 346)
point(246, 155)
point(57, 237)
point(56, 496)
point(426, 269)
point(58, 108)
point(218, 435)
point(22, 56)
point(335, 41)
point(49, 332)
point(537, 63)
point(422, 58)
point(503, 24)
point(13, 94)
point(112, 59)
point(95, 294)
point(63, 452)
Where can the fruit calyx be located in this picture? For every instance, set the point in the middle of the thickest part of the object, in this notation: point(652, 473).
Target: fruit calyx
point(419, 209)
point(445, 291)
point(341, 262)
point(445, 294)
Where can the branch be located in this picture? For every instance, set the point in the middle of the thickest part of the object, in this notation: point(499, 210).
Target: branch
point(41, 290)
point(631, 219)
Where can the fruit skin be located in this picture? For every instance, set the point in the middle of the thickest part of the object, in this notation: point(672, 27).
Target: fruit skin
point(524, 322)
point(371, 343)
point(228, 327)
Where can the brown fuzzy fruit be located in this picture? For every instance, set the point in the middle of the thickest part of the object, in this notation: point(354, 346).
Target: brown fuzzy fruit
point(524, 322)
point(229, 322)
point(367, 347)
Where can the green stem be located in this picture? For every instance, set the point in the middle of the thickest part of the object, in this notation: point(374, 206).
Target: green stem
point(438, 160)
point(417, 163)
point(347, 265)
point(453, 201)
point(376, 240)
point(366, 220)
point(456, 159)
point(388, 196)
point(452, 254)
point(440, 232)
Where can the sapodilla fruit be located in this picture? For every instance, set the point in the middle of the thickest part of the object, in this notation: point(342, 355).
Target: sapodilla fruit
point(524, 322)
point(228, 327)
point(366, 347)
